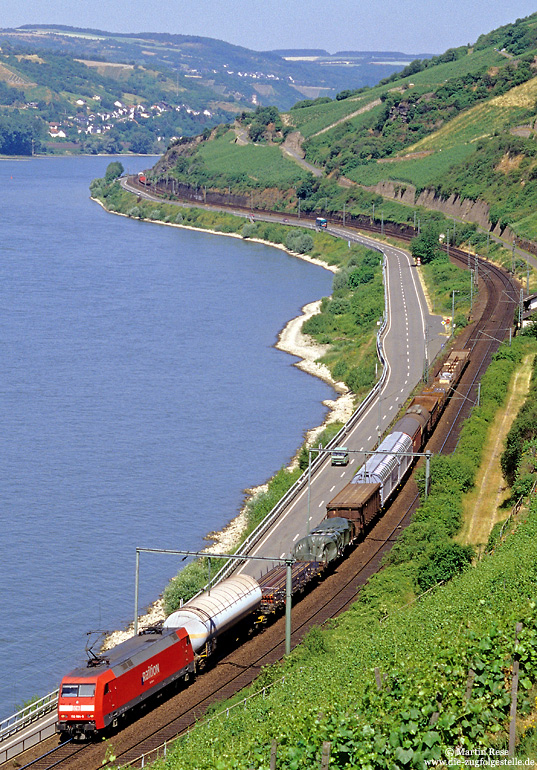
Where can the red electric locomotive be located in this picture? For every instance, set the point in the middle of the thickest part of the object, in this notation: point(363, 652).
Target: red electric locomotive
point(95, 696)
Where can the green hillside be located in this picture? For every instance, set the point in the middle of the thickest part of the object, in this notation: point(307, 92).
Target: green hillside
point(61, 85)
point(460, 124)
point(415, 671)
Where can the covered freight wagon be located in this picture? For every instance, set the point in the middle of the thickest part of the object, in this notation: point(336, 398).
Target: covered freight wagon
point(414, 425)
point(388, 465)
point(359, 503)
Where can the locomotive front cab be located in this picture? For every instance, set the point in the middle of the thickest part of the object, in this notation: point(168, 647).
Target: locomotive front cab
point(77, 708)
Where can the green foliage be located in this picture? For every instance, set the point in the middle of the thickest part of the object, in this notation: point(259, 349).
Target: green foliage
point(531, 329)
point(249, 230)
point(523, 432)
point(26, 706)
point(443, 562)
point(315, 642)
point(263, 120)
point(221, 164)
point(17, 130)
point(444, 278)
point(517, 38)
point(113, 171)
point(426, 247)
point(320, 100)
point(299, 241)
point(359, 276)
point(326, 436)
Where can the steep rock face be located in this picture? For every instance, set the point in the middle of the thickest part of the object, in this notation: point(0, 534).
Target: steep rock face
point(454, 206)
point(397, 191)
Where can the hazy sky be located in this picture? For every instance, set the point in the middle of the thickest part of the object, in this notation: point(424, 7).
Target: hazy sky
point(412, 26)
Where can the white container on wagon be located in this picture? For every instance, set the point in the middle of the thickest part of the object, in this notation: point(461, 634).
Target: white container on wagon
point(207, 616)
point(387, 469)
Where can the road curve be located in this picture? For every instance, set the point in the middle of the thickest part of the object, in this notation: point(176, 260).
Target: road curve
point(411, 335)
point(408, 326)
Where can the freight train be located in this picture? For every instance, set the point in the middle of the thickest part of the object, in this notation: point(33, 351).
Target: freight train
point(95, 697)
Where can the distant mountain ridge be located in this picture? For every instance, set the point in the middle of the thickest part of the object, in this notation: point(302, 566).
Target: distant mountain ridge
point(247, 77)
point(319, 52)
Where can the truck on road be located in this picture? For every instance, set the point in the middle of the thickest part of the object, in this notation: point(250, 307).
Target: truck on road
point(340, 456)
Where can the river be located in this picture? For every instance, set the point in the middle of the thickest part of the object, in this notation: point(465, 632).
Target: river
point(140, 395)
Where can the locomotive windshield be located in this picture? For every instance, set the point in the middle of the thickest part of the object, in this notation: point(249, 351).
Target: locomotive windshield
point(78, 691)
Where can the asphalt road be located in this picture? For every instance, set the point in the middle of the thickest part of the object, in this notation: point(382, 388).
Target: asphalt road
point(411, 336)
point(408, 327)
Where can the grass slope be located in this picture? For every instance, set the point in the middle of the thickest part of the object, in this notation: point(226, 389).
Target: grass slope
point(394, 686)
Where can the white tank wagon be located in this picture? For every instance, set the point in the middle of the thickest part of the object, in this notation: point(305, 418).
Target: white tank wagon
point(207, 616)
point(387, 470)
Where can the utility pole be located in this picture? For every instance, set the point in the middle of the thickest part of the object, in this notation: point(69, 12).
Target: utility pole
point(513, 257)
point(471, 290)
point(455, 291)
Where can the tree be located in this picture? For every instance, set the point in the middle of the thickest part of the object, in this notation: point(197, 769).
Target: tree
point(141, 143)
point(299, 241)
point(425, 246)
point(113, 171)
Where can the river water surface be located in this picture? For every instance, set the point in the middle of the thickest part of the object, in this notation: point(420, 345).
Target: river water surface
point(140, 395)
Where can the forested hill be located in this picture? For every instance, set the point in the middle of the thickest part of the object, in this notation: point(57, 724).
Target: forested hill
point(461, 124)
point(94, 91)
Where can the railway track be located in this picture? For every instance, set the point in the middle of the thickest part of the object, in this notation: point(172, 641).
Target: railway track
point(241, 666)
point(55, 756)
point(236, 668)
point(482, 339)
